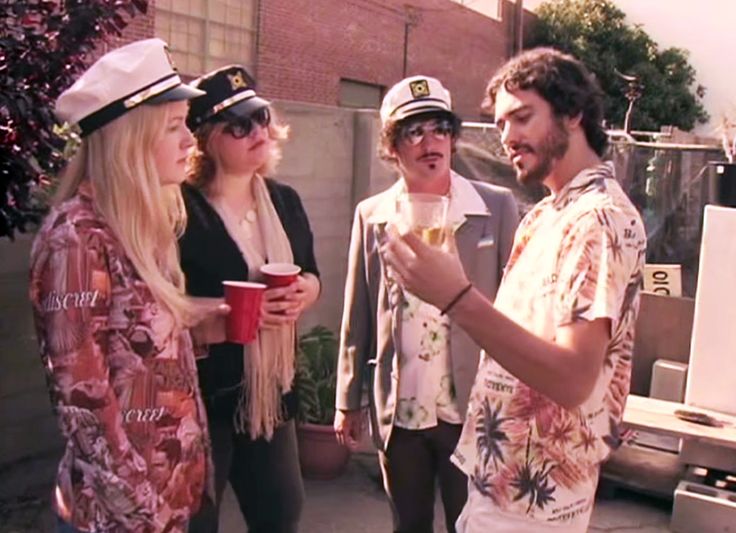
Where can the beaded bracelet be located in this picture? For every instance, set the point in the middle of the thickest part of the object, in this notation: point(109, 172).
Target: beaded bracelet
point(456, 299)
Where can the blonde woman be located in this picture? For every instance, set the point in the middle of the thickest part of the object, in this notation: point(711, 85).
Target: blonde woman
point(239, 220)
point(110, 308)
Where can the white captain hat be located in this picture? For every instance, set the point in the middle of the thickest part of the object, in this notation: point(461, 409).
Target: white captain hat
point(413, 96)
point(137, 73)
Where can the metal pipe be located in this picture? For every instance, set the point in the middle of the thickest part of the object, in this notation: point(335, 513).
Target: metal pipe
point(519, 26)
point(407, 24)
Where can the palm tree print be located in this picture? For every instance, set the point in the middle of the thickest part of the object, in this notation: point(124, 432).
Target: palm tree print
point(524, 452)
point(587, 440)
point(490, 435)
point(534, 484)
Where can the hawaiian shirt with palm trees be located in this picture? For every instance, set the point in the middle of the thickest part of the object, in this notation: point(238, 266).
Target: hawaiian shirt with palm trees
point(577, 255)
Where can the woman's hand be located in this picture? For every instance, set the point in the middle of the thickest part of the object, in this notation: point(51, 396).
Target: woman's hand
point(209, 327)
point(284, 305)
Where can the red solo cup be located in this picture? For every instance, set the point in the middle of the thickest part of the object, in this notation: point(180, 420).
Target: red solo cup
point(279, 274)
point(244, 299)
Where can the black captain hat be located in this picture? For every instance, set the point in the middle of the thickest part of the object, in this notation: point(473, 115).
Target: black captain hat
point(228, 92)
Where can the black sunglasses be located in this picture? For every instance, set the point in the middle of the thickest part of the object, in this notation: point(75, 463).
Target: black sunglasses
point(242, 127)
point(414, 132)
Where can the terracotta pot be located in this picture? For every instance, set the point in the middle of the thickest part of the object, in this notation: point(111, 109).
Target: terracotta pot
point(320, 455)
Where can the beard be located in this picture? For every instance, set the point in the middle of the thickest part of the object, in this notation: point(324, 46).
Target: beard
point(553, 147)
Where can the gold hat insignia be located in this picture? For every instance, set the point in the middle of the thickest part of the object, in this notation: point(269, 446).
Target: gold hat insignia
point(419, 88)
point(237, 81)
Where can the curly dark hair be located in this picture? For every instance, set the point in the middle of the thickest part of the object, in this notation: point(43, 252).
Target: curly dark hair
point(563, 81)
point(389, 137)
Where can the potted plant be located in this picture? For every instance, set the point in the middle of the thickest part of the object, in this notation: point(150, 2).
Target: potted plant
point(315, 383)
point(725, 171)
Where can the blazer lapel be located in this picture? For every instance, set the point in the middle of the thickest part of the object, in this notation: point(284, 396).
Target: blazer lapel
point(467, 237)
point(395, 294)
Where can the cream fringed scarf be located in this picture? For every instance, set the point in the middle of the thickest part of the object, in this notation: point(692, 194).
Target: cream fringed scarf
point(268, 361)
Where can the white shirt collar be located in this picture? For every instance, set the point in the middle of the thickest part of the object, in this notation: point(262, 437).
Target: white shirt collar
point(464, 201)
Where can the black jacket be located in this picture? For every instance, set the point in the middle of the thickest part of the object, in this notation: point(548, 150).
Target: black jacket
point(209, 256)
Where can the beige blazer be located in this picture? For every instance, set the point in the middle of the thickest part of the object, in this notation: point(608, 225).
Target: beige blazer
point(371, 314)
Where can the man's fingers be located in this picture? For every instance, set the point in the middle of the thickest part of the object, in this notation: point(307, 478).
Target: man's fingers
point(398, 268)
point(416, 244)
point(400, 250)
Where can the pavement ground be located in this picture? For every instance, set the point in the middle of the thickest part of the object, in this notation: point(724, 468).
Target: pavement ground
point(352, 503)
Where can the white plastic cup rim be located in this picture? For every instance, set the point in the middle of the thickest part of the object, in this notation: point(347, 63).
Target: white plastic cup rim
point(281, 269)
point(245, 284)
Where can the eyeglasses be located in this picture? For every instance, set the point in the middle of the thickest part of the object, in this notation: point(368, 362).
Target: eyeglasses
point(242, 127)
point(414, 133)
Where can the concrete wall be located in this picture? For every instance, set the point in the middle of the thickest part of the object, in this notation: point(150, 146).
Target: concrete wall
point(26, 425)
point(329, 159)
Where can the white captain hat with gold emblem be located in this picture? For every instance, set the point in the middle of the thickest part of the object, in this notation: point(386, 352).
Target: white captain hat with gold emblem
point(415, 95)
point(141, 72)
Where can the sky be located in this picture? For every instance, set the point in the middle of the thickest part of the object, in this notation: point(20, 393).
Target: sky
point(704, 28)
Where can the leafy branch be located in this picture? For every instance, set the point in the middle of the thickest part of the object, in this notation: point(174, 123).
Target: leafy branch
point(316, 376)
point(44, 46)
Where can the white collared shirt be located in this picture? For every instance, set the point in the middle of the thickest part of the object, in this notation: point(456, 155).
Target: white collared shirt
point(426, 392)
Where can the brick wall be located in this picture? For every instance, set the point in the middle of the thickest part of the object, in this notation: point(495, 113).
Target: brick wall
point(139, 27)
point(306, 46)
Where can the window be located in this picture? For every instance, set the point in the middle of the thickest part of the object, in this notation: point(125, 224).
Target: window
point(489, 8)
point(359, 94)
point(208, 34)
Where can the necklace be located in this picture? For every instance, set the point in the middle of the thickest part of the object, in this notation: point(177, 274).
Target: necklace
point(247, 222)
point(250, 217)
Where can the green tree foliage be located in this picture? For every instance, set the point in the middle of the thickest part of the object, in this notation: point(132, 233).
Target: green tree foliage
point(596, 32)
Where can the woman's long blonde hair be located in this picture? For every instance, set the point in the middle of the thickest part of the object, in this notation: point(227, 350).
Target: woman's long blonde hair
point(146, 217)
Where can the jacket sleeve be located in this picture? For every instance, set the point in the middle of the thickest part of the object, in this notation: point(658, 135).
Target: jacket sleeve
point(71, 297)
point(357, 324)
point(509, 222)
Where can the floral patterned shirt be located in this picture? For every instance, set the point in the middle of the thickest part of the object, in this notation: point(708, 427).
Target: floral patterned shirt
point(578, 255)
point(426, 392)
point(122, 380)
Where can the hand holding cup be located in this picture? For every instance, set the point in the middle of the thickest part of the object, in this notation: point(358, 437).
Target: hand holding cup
point(283, 300)
point(210, 320)
point(425, 215)
point(244, 299)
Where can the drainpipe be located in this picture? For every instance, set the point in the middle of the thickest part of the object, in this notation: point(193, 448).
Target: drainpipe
point(519, 25)
point(412, 19)
point(406, 47)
